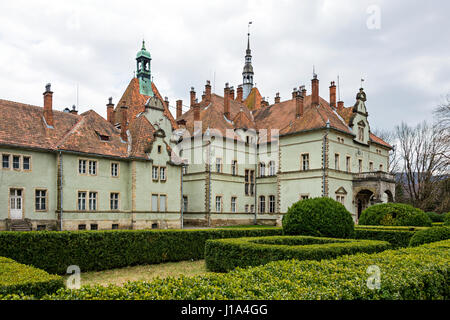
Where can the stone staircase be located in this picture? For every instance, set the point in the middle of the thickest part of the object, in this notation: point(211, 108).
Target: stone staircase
point(19, 225)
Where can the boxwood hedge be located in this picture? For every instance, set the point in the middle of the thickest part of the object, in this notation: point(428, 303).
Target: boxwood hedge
point(394, 214)
point(223, 255)
point(409, 273)
point(430, 235)
point(100, 250)
point(16, 278)
point(396, 236)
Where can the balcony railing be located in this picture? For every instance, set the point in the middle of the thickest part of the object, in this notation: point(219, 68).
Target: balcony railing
point(377, 175)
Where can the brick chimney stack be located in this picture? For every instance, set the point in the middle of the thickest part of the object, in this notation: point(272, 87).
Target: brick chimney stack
point(294, 93)
point(124, 123)
point(166, 100)
point(340, 105)
point(179, 108)
point(48, 105)
point(240, 93)
point(192, 97)
point(304, 92)
point(232, 93)
point(110, 111)
point(74, 110)
point(315, 91)
point(226, 101)
point(196, 110)
point(333, 95)
point(299, 105)
point(208, 91)
point(277, 97)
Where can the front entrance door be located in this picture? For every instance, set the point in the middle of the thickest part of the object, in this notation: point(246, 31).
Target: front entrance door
point(15, 200)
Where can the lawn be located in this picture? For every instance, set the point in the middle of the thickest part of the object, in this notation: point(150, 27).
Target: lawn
point(144, 272)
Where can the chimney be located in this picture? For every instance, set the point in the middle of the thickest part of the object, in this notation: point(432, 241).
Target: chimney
point(203, 96)
point(340, 105)
point(232, 93)
point(196, 110)
point(315, 91)
point(124, 123)
point(277, 98)
point(74, 110)
point(208, 91)
point(48, 102)
point(264, 103)
point(333, 95)
point(299, 105)
point(304, 92)
point(240, 93)
point(192, 97)
point(294, 93)
point(166, 100)
point(110, 111)
point(179, 108)
point(226, 101)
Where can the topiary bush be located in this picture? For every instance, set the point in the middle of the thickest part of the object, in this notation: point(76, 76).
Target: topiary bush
point(435, 217)
point(394, 214)
point(429, 235)
point(447, 219)
point(319, 217)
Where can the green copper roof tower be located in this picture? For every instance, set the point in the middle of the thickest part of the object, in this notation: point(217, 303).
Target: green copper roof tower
point(144, 74)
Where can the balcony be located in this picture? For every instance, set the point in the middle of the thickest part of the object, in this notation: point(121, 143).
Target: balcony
point(374, 176)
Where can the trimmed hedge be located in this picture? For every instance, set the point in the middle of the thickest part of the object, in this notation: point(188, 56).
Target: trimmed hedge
point(226, 254)
point(430, 235)
point(319, 217)
point(394, 214)
point(447, 219)
point(16, 278)
point(398, 238)
point(100, 250)
point(410, 273)
point(435, 217)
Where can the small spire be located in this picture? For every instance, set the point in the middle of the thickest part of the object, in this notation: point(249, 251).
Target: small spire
point(143, 44)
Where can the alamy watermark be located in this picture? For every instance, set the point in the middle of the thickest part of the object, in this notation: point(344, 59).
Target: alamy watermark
point(374, 280)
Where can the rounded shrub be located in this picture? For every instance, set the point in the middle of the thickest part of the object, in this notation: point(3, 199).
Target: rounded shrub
point(429, 235)
point(394, 214)
point(447, 219)
point(320, 217)
point(435, 217)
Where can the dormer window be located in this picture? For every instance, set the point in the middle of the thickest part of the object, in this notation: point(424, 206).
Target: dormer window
point(104, 138)
point(360, 133)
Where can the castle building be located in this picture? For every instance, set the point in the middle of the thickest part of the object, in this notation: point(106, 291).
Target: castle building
point(231, 159)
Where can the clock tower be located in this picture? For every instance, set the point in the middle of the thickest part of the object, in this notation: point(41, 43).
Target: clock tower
point(144, 73)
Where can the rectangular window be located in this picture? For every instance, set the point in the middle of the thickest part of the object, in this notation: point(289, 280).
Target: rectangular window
point(16, 162)
point(155, 173)
point(218, 204)
point(93, 168)
point(234, 167)
point(233, 204)
point(252, 208)
point(94, 226)
point(272, 171)
point(114, 201)
point(162, 173)
point(252, 182)
point(336, 161)
point(41, 200)
point(26, 165)
point(185, 169)
point(347, 164)
point(271, 204)
point(249, 182)
point(218, 164)
point(82, 166)
point(340, 199)
point(185, 203)
point(371, 166)
point(262, 204)
point(360, 168)
point(154, 202)
point(246, 208)
point(162, 203)
point(262, 169)
point(114, 169)
point(381, 167)
point(92, 201)
point(115, 226)
point(5, 161)
point(304, 197)
point(81, 227)
point(82, 201)
point(305, 162)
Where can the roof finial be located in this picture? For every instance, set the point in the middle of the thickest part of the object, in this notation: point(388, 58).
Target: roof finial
point(143, 44)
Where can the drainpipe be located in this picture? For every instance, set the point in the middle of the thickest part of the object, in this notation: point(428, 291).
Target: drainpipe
point(60, 191)
point(209, 182)
point(182, 198)
point(325, 137)
point(254, 176)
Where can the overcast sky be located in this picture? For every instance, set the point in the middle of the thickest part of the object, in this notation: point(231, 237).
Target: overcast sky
point(400, 48)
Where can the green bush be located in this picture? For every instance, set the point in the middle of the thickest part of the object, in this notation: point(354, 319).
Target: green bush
point(16, 278)
point(430, 235)
point(435, 217)
point(320, 217)
point(100, 250)
point(394, 214)
point(397, 238)
point(447, 219)
point(406, 274)
point(226, 254)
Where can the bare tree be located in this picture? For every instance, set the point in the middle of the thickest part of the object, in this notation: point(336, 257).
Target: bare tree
point(424, 156)
point(389, 136)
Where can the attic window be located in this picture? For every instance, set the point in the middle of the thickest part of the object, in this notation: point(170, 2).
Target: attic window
point(104, 138)
point(159, 149)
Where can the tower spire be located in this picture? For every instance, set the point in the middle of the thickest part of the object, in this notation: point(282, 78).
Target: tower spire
point(144, 74)
point(247, 74)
